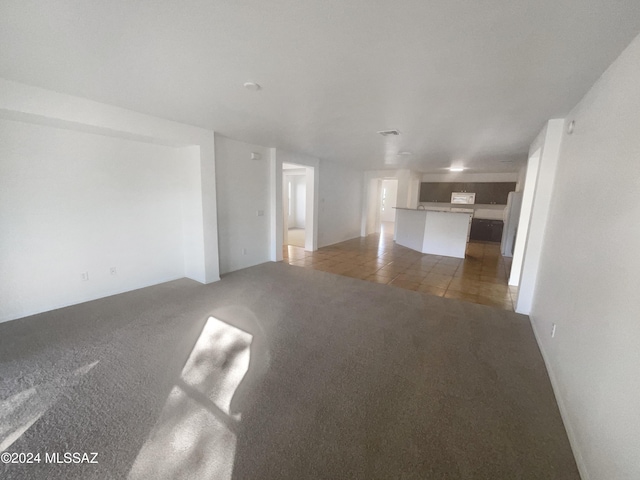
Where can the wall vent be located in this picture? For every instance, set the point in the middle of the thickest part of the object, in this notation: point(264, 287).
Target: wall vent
point(386, 133)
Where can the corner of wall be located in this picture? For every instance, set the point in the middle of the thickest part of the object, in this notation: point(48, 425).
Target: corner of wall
point(275, 207)
point(198, 227)
point(562, 407)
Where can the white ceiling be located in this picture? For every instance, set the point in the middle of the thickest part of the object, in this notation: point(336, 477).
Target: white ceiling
point(469, 81)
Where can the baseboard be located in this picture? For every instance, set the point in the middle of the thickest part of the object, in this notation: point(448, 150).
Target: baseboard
point(89, 298)
point(582, 468)
point(340, 241)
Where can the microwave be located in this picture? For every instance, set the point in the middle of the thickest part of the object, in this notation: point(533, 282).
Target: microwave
point(463, 198)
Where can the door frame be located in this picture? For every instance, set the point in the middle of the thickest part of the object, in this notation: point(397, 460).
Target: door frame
point(312, 166)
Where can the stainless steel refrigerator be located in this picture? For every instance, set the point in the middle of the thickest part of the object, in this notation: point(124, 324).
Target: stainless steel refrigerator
point(511, 217)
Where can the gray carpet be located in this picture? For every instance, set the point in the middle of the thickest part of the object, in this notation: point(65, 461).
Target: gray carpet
point(346, 379)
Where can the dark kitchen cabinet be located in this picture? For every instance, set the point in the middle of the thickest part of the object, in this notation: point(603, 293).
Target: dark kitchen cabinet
point(496, 230)
point(435, 192)
point(489, 193)
point(486, 230)
point(480, 230)
point(482, 191)
point(459, 187)
point(495, 193)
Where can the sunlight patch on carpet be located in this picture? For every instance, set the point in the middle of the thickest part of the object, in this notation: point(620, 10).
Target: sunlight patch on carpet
point(194, 436)
point(18, 412)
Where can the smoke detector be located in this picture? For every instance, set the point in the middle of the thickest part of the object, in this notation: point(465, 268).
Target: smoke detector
point(386, 133)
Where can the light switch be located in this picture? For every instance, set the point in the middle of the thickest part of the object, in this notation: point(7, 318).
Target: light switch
point(260, 213)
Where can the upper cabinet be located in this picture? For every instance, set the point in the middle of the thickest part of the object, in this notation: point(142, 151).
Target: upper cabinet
point(435, 192)
point(486, 192)
point(494, 192)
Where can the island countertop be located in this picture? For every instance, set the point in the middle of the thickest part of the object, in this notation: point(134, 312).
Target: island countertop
point(437, 231)
point(438, 209)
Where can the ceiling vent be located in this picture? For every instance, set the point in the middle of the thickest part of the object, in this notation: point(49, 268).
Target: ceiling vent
point(386, 133)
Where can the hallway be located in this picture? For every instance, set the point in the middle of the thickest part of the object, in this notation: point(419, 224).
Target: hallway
point(480, 278)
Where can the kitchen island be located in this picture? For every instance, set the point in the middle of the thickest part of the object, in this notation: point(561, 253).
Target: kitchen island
point(438, 231)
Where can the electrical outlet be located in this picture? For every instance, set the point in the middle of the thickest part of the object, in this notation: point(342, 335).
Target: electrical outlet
point(553, 330)
point(244, 251)
point(84, 276)
point(113, 271)
point(260, 213)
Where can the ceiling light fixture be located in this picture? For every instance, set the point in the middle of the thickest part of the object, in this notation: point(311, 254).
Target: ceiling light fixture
point(456, 169)
point(254, 87)
point(405, 153)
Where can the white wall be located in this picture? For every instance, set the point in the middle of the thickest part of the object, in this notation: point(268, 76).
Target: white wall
point(415, 179)
point(391, 189)
point(73, 202)
point(43, 107)
point(589, 276)
point(522, 176)
point(298, 180)
point(408, 188)
point(300, 194)
point(529, 188)
point(340, 204)
point(543, 183)
point(243, 191)
point(370, 215)
point(193, 239)
point(277, 204)
point(288, 205)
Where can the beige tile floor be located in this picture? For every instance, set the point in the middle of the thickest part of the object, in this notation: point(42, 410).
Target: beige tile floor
point(481, 277)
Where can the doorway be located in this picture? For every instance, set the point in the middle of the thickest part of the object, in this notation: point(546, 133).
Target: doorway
point(387, 204)
point(294, 203)
point(380, 200)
